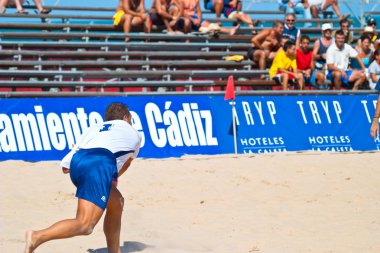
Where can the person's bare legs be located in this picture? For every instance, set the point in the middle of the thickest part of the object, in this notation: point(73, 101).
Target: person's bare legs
point(358, 78)
point(218, 7)
point(334, 5)
point(285, 80)
point(300, 81)
point(38, 5)
point(230, 31)
point(337, 77)
point(88, 215)
point(126, 20)
point(260, 57)
point(112, 220)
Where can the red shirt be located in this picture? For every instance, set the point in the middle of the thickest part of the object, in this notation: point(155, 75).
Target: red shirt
point(304, 60)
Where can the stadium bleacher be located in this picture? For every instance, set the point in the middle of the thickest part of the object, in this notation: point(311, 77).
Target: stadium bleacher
point(80, 52)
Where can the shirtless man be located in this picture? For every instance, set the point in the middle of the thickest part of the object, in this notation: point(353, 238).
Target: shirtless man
point(165, 12)
point(192, 19)
point(131, 13)
point(265, 45)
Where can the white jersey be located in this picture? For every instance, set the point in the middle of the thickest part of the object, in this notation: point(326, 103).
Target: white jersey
point(117, 136)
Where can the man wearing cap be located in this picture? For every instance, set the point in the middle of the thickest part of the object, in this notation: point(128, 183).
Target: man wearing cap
point(320, 47)
point(372, 23)
point(337, 58)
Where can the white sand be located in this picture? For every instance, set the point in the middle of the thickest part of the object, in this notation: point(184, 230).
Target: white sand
point(277, 203)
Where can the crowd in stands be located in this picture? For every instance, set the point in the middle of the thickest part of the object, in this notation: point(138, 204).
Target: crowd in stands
point(333, 61)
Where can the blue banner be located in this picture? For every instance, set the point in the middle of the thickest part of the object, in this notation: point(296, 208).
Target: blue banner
point(36, 129)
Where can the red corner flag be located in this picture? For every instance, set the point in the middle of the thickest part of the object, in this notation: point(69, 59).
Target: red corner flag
point(230, 89)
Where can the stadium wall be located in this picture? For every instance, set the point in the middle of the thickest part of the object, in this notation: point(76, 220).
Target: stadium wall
point(36, 129)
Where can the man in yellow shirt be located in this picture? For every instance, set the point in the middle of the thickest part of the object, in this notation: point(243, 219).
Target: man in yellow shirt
point(284, 66)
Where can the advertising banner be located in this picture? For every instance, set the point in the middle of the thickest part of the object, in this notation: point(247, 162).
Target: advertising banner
point(36, 129)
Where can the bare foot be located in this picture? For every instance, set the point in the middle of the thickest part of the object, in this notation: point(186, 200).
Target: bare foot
point(29, 245)
point(234, 29)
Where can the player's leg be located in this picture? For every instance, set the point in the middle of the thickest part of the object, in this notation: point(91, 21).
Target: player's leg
point(88, 215)
point(112, 220)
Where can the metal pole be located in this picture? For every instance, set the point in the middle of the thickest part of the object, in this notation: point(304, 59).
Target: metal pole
point(232, 103)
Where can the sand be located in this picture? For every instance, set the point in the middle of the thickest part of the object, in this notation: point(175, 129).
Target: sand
point(273, 203)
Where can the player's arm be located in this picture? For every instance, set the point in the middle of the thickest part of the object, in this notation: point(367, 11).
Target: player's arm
point(125, 166)
point(375, 120)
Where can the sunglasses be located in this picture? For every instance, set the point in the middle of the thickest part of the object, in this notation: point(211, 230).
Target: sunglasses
point(290, 20)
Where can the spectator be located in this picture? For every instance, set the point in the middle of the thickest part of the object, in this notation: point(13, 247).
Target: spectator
point(338, 57)
point(290, 30)
point(161, 15)
point(20, 10)
point(321, 5)
point(372, 23)
point(345, 27)
point(284, 67)
point(320, 47)
point(265, 45)
point(374, 70)
point(367, 32)
point(131, 13)
point(306, 66)
point(299, 6)
point(192, 20)
point(231, 9)
point(364, 52)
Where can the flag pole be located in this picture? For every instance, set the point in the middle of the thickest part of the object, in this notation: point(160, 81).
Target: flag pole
point(232, 103)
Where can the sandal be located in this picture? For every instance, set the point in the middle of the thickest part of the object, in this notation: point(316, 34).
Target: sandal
point(22, 11)
point(45, 11)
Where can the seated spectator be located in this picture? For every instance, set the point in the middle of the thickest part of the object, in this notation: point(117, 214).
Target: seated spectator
point(320, 47)
point(265, 45)
point(338, 57)
point(290, 30)
point(321, 5)
point(367, 32)
point(131, 13)
point(161, 14)
point(299, 6)
point(192, 20)
point(231, 9)
point(345, 27)
point(20, 10)
point(306, 66)
point(374, 70)
point(284, 67)
point(365, 52)
point(372, 23)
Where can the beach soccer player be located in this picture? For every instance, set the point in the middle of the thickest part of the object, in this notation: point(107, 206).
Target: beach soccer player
point(104, 152)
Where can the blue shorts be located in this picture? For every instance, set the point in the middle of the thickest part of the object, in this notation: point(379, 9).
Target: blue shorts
point(345, 81)
point(92, 172)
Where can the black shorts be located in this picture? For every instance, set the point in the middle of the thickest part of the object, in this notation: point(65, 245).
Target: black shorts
point(251, 52)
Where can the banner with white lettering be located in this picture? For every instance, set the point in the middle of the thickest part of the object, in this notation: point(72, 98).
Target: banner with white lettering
point(36, 129)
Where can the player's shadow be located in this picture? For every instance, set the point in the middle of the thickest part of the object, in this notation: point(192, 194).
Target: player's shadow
point(126, 248)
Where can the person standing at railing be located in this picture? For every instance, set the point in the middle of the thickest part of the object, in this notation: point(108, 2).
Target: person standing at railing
point(131, 13)
point(296, 6)
point(20, 10)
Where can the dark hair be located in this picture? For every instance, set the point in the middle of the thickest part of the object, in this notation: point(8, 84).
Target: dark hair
point(305, 37)
point(277, 23)
point(343, 21)
point(288, 44)
point(377, 52)
point(116, 111)
point(365, 37)
point(339, 32)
